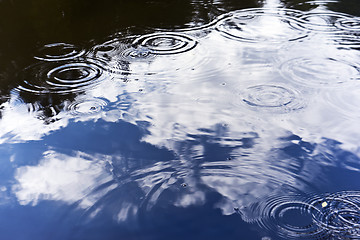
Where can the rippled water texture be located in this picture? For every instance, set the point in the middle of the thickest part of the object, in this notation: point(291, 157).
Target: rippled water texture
point(240, 124)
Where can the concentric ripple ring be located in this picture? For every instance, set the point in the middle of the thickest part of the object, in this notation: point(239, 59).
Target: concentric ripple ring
point(289, 217)
point(120, 56)
point(272, 98)
point(58, 52)
point(60, 78)
point(262, 25)
point(122, 50)
point(166, 43)
point(326, 22)
point(348, 24)
point(338, 213)
point(87, 106)
point(319, 71)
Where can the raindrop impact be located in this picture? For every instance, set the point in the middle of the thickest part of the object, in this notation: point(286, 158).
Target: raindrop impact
point(59, 78)
point(166, 43)
point(87, 106)
point(325, 22)
point(121, 50)
point(338, 213)
point(272, 98)
point(288, 217)
point(58, 52)
point(262, 25)
point(331, 216)
point(119, 56)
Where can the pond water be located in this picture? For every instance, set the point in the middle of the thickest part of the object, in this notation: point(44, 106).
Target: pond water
point(192, 119)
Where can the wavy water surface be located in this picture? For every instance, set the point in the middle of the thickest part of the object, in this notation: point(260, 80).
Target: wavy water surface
point(251, 119)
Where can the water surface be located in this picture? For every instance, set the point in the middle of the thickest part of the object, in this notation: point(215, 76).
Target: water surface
point(180, 120)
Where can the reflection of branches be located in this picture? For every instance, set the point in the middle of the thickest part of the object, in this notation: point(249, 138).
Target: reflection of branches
point(47, 106)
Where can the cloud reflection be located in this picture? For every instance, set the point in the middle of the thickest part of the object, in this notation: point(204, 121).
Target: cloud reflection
point(203, 87)
point(59, 177)
point(203, 104)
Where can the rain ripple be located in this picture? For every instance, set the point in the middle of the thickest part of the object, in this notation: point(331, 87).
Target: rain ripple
point(87, 106)
point(58, 52)
point(328, 22)
point(319, 72)
point(338, 213)
point(262, 25)
point(123, 49)
point(151, 54)
point(120, 56)
point(287, 216)
point(348, 24)
point(332, 216)
point(272, 98)
point(166, 43)
point(59, 78)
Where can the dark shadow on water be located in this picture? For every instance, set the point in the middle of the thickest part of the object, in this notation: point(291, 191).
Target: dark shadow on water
point(345, 6)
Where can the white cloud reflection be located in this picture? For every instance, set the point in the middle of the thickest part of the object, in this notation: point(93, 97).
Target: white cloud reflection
point(194, 101)
point(60, 177)
point(18, 124)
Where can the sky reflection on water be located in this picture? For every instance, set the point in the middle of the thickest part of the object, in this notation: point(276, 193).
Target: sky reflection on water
point(248, 119)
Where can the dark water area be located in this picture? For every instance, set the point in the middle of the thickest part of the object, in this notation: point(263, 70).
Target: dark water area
point(180, 119)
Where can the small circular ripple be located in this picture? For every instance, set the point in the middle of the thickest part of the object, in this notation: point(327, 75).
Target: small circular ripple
point(152, 55)
point(262, 25)
point(272, 98)
point(60, 79)
point(120, 56)
point(328, 22)
point(121, 50)
point(133, 54)
point(348, 24)
point(288, 217)
point(317, 72)
point(87, 106)
point(58, 52)
point(338, 213)
point(166, 43)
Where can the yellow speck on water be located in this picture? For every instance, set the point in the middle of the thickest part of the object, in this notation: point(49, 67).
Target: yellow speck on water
point(324, 204)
